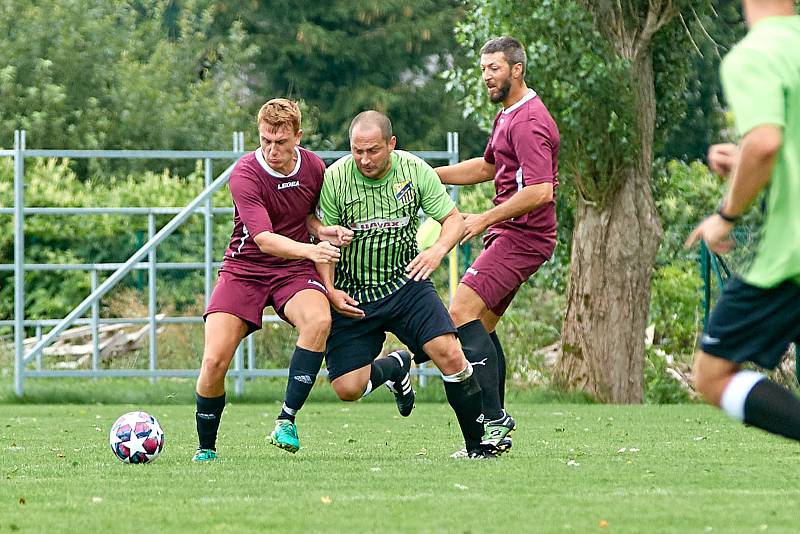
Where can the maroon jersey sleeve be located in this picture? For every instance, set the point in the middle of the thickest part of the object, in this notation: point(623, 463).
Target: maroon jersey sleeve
point(319, 176)
point(533, 146)
point(488, 154)
point(250, 203)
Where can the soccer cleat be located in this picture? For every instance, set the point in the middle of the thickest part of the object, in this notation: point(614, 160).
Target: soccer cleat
point(498, 432)
point(285, 436)
point(485, 451)
point(205, 455)
point(461, 453)
point(403, 392)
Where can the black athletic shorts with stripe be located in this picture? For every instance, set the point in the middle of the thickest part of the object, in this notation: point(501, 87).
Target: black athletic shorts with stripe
point(753, 324)
point(414, 313)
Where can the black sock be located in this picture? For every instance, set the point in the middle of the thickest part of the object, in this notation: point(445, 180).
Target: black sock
point(501, 368)
point(383, 370)
point(303, 371)
point(480, 352)
point(773, 408)
point(208, 414)
point(465, 399)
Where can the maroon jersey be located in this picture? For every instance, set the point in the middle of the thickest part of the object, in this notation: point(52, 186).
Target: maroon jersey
point(266, 201)
point(524, 150)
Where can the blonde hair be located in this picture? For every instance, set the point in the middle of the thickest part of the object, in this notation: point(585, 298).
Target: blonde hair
point(280, 112)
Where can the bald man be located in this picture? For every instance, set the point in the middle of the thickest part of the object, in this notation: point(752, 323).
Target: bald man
point(758, 315)
point(381, 281)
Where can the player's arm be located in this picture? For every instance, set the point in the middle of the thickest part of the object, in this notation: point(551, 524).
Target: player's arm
point(524, 201)
point(756, 94)
point(283, 247)
point(334, 234)
point(249, 201)
point(421, 267)
point(471, 171)
point(341, 301)
point(757, 154)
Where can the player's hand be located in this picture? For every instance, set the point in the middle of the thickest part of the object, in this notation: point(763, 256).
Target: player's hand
point(722, 158)
point(421, 267)
point(336, 235)
point(323, 252)
point(475, 225)
point(715, 231)
point(344, 304)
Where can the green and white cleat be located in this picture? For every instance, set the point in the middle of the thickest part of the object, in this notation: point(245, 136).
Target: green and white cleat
point(205, 455)
point(498, 432)
point(285, 436)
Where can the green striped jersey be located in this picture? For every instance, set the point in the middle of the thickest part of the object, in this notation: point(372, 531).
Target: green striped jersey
point(383, 214)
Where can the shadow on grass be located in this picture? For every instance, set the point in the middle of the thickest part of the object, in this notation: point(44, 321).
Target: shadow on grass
point(263, 390)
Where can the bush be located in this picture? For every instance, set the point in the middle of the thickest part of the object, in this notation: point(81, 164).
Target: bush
point(100, 238)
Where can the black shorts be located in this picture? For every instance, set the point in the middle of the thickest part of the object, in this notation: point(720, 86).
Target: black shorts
point(414, 313)
point(753, 324)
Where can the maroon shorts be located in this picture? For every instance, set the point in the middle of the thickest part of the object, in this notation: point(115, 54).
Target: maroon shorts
point(500, 269)
point(246, 295)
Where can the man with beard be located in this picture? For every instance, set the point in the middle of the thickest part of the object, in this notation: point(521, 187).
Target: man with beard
point(522, 159)
point(381, 281)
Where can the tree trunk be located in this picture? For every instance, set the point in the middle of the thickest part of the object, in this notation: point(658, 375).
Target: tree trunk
point(614, 245)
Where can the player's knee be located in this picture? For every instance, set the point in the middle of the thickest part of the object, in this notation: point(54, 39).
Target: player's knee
point(317, 326)
point(458, 314)
point(347, 391)
point(214, 365)
point(322, 325)
point(452, 361)
point(709, 379)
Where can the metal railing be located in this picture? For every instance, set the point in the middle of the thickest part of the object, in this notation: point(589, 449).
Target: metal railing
point(143, 259)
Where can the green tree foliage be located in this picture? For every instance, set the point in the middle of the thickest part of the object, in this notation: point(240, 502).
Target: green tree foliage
point(121, 74)
point(100, 238)
point(343, 57)
point(580, 77)
point(701, 120)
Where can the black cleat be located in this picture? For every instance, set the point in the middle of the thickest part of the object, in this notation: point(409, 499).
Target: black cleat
point(403, 392)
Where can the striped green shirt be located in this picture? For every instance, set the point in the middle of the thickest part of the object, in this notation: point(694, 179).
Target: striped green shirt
point(383, 214)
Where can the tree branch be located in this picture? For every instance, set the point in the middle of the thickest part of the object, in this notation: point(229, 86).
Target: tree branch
point(659, 13)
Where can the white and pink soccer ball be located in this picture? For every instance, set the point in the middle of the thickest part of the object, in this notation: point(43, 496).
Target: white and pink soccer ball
point(136, 438)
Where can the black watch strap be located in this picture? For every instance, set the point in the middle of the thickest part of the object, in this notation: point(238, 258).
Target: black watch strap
point(726, 217)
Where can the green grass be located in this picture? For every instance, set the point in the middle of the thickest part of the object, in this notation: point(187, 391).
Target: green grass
point(181, 391)
point(364, 469)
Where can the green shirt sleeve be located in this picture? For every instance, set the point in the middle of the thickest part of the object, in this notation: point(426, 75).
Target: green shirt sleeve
point(754, 89)
point(329, 209)
point(435, 201)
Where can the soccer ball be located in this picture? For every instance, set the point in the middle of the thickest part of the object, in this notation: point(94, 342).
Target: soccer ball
point(136, 438)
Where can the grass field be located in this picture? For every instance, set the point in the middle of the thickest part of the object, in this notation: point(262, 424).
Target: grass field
point(574, 468)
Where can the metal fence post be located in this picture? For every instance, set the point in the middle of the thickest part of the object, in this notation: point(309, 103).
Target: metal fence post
point(94, 324)
point(251, 353)
point(151, 292)
point(238, 360)
point(209, 229)
point(19, 260)
point(38, 356)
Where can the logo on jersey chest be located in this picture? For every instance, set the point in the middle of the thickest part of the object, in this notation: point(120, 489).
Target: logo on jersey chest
point(404, 191)
point(379, 224)
point(284, 185)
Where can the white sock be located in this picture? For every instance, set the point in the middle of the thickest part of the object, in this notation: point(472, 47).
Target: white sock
point(368, 389)
point(736, 392)
point(459, 376)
